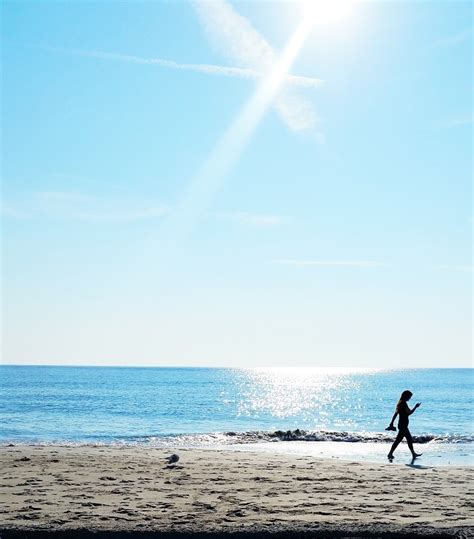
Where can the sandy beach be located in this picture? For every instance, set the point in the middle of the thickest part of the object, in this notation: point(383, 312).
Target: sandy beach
point(74, 491)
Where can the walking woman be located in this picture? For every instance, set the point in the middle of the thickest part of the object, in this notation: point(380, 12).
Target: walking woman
point(403, 411)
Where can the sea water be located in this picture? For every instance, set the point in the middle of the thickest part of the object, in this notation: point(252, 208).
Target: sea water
point(322, 412)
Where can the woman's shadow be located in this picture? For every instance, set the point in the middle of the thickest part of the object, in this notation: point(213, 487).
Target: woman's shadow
point(417, 466)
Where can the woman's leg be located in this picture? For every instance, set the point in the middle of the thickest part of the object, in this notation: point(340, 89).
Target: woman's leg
point(410, 443)
point(398, 439)
point(409, 440)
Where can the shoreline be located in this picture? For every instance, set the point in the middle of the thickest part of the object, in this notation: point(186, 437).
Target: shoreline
point(435, 453)
point(111, 492)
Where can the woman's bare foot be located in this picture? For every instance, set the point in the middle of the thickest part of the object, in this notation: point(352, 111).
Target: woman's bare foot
point(416, 455)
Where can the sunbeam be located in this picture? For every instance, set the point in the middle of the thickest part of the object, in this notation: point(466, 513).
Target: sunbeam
point(203, 187)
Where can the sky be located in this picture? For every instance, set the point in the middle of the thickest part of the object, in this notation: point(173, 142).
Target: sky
point(237, 184)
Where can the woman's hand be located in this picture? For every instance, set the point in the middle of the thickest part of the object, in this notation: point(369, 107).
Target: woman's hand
point(417, 405)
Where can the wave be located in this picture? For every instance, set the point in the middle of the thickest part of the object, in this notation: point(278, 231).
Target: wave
point(249, 437)
point(252, 437)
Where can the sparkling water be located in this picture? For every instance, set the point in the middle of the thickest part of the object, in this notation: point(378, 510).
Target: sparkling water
point(237, 408)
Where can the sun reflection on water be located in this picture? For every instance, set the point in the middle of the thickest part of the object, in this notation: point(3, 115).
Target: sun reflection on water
point(314, 397)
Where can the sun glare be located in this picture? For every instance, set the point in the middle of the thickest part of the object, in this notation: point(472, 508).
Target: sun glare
point(326, 11)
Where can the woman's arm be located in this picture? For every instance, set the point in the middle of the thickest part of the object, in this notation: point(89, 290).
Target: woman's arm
point(418, 404)
point(393, 418)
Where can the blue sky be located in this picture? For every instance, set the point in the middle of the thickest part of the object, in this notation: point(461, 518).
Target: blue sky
point(148, 219)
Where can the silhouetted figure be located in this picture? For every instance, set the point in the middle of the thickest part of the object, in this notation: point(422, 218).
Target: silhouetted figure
point(403, 411)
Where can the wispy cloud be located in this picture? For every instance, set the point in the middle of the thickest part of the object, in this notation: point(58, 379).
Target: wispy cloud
point(342, 263)
point(456, 121)
point(256, 219)
point(457, 267)
point(360, 264)
point(10, 211)
point(454, 39)
point(208, 69)
point(235, 38)
point(76, 206)
point(60, 196)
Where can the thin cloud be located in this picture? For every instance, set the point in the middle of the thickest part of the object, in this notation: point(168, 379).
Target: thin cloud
point(335, 263)
point(11, 212)
point(457, 267)
point(255, 219)
point(454, 39)
point(60, 196)
point(121, 216)
point(456, 121)
point(208, 69)
point(235, 38)
point(75, 206)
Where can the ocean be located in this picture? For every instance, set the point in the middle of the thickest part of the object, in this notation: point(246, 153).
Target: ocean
point(338, 413)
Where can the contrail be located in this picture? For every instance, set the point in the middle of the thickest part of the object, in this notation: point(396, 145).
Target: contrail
point(208, 69)
point(342, 263)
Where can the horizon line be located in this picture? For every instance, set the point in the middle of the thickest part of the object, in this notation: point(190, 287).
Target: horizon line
point(83, 365)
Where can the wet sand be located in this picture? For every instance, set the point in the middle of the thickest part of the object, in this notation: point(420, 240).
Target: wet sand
point(115, 492)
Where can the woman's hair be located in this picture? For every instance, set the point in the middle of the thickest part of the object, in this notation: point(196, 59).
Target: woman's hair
point(404, 397)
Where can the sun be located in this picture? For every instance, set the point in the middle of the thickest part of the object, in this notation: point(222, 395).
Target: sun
point(326, 11)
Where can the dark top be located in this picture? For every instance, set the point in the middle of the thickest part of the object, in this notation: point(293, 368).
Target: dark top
point(403, 413)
